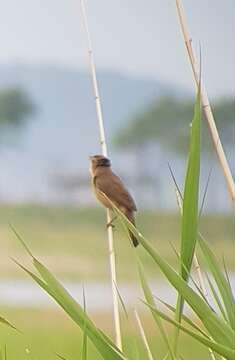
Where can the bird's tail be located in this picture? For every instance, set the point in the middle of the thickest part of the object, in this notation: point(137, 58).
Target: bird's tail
point(133, 238)
point(130, 216)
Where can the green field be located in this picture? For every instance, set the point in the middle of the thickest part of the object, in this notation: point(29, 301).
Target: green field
point(47, 332)
point(73, 242)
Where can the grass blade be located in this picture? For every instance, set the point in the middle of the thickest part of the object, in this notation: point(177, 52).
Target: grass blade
point(61, 357)
point(218, 329)
point(215, 346)
point(84, 343)
point(184, 317)
point(150, 299)
point(5, 352)
point(191, 191)
point(143, 336)
point(205, 192)
point(49, 283)
point(21, 241)
point(7, 323)
point(107, 349)
point(220, 280)
point(121, 301)
point(216, 298)
point(189, 229)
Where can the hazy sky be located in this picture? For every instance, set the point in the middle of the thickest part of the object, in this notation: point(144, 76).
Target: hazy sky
point(136, 36)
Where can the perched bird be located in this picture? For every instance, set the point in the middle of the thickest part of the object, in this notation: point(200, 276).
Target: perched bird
point(104, 181)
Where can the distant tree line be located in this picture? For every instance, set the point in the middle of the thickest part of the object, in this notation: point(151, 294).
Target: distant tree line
point(167, 121)
point(15, 108)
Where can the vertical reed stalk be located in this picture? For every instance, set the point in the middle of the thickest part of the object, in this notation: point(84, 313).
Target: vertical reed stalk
point(143, 336)
point(105, 153)
point(205, 101)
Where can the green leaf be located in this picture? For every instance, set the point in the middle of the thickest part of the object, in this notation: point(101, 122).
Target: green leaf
point(52, 286)
point(218, 329)
point(216, 298)
point(205, 192)
point(149, 298)
point(134, 353)
point(60, 357)
point(84, 343)
point(189, 229)
point(5, 352)
point(225, 351)
point(221, 281)
point(184, 317)
point(106, 348)
point(49, 283)
point(7, 323)
point(21, 240)
point(121, 301)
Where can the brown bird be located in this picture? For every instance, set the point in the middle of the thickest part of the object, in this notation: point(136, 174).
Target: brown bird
point(104, 181)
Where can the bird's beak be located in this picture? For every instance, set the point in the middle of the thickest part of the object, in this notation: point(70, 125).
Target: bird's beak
point(90, 157)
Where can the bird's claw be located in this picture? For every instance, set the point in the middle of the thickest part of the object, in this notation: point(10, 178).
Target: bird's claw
point(109, 224)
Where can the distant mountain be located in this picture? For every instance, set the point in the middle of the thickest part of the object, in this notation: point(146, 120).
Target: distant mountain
point(64, 132)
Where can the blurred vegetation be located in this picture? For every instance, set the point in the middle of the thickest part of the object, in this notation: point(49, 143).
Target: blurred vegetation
point(69, 239)
point(167, 120)
point(15, 108)
point(46, 332)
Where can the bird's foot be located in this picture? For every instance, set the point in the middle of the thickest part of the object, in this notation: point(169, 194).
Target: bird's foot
point(110, 223)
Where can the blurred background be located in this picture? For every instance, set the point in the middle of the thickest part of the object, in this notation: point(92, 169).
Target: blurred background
point(48, 119)
point(48, 129)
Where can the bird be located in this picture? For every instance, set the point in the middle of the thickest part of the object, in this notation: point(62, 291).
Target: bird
point(104, 181)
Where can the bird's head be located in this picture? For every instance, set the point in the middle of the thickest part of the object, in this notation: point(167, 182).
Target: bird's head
point(99, 160)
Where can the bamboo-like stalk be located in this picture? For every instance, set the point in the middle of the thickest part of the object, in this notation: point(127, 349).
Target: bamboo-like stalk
point(105, 153)
point(143, 336)
point(205, 102)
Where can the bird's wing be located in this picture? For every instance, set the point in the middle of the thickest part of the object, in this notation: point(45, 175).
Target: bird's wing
point(114, 189)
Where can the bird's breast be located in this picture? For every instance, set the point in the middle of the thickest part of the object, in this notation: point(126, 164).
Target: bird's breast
point(104, 201)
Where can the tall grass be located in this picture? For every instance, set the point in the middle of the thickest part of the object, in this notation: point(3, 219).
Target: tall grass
point(189, 228)
point(215, 328)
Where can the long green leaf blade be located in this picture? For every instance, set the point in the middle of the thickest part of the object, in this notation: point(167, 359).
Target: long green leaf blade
point(221, 281)
point(107, 349)
point(189, 229)
point(218, 329)
point(52, 286)
point(7, 323)
point(84, 342)
point(60, 357)
point(225, 351)
point(104, 345)
point(216, 298)
point(149, 298)
point(190, 198)
point(184, 317)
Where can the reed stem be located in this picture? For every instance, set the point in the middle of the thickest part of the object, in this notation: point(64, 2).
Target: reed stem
point(205, 102)
point(104, 150)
